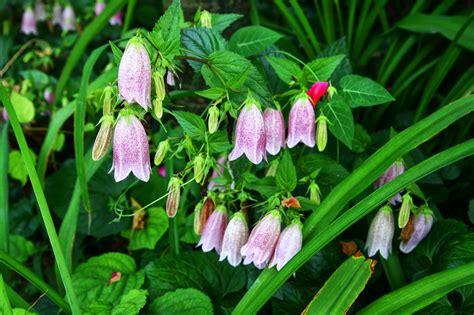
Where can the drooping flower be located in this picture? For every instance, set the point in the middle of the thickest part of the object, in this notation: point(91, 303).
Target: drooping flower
point(4, 114)
point(131, 152)
point(103, 138)
point(412, 234)
point(206, 211)
point(379, 238)
point(249, 135)
point(317, 90)
point(214, 185)
point(162, 171)
point(40, 11)
point(28, 22)
point(57, 13)
point(301, 123)
point(134, 75)
point(48, 95)
point(99, 7)
point(393, 171)
point(288, 245)
point(174, 196)
point(274, 130)
point(214, 229)
point(262, 241)
point(68, 19)
point(170, 78)
point(235, 236)
point(116, 19)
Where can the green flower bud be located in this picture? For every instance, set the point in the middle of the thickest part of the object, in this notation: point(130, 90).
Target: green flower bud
point(160, 155)
point(160, 90)
point(405, 210)
point(331, 91)
point(197, 218)
point(189, 147)
point(174, 194)
point(158, 108)
point(321, 132)
point(107, 98)
point(104, 136)
point(213, 120)
point(272, 169)
point(314, 193)
point(199, 165)
point(206, 19)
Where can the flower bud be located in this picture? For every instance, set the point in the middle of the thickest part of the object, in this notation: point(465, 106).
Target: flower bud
point(272, 168)
point(207, 210)
point(214, 229)
point(28, 22)
point(116, 19)
point(213, 121)
point(170, 78)
point(235, 236)
point(197, 218)
point(57, 13)
point(161, 152)
point(107, 100)
point(288, 245)
point(68, 19)
point(99, 7)
point(48, 95)
point(379, 238)
point(314, 193)
point(393, 171)
point(158, 108)
point(189, 147)
point(405, 210)
point(317, 90)
point(321, 132)
point(416, 230)
point(206, 19)
point(331, 91)
point(103, 139)
point(199, 171)
point(162, 171)
point(174, 194)
point(40, 11)
point(4, 114)
point(160, 89)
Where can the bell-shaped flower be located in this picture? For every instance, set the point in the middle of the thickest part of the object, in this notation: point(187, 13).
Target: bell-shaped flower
point(393, 171)
point(170, 80)
point(68, 19)
point(249, 135)
point(48, 95)
point(130, 149)
point(40, 11)
point(134, 74)
point(301, 123)
point(317, 90)
point(214, 229)
point(235, 236)
point(262, 241)
point(28, 22)
point(381, 232)
point(288, 245)
point(419, 226)
point(57, 13)
point(99, 7)
point(103, 139)
point(116, 19)
point(274, 130)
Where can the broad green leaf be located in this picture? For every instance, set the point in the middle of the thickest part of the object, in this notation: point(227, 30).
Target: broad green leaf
point(286, 173)
point(20, 248)
point(285, 69)
point(219, 142)
point(98, 280)
point(182, 301)
point(24, 108)
point(343, 287)
point(20, 311)
point(322, 68)
point(266, 186)
point(229, 67)
point(130, 304)
point(221, 21)
point(341, 121)
point(330, 172)
point(361, 139)
point(155, 226)
point(200, 42)
point(448, 26)
point(361, 91)
point(17, 167)
point(252, 40)
point(37, 78)
point(192, 124)
point(211, 93)
point(463, 304)
point(166, 33)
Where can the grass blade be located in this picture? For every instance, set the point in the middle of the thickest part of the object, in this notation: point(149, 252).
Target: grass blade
point(129, 16)
point(307, 27)
point(5, 306)
point(15, 299)
point(4, 229)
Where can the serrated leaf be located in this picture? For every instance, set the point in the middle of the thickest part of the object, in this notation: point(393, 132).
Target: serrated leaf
point(211, 93)
point(130, 303)
point(266, 186)
point(361, 139)
point(200, 42)
point(219, 142)
point(24, 108)
point(252, 40)
point(286, 173)
point(182, 301)
point(17, 167)
point(330, 172)
point(117, 52)
point(193, 125)
point(322, 68)
point(20, 248)
point(361, 91)
point(229, 67)
point(156, 225)
point(221, 21)
point(285, 69)
point(341, 120)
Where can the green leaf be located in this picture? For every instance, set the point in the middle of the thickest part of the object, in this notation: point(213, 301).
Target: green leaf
point(211, 93)
point(92, 279)
point(200, 42)
point(166, 33)
point(330, 172)
point(342, 288)
point(362, 139)
point(193, 125)
point(252, 40)
point(117, 53)
point(24, 108)
point(286, 173)
point(229, 67)
point(285, 69)
point(16, 165)
point(130, 304)
point(363, 91)
point(221, 21)
point(322, 68)
point(219, 142)
point(156, 225)
point(20, 311)
point(266, 186)
point(182, 301)
point(341, 120)
point(20, 247)
point(448, 26)
point(447, 305)
point(471, 210)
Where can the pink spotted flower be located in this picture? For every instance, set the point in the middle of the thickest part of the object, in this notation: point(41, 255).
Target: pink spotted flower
point(68, 19)
point(393, 171)
point(214, 229)
point(379, 238)
point(57, 13)
point(235, 236)
point(249, 134)
point(301, 123)
point(130, 149)
point(274, 130)
point(421, 226)
point(99, 7)
point(28, 22)
point(289, 244)
point(134, 74)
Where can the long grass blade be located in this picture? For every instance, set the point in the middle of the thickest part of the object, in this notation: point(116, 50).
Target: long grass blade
point(129, 16)
point(15, 299)
point(5, 305)
point(307, 27)
point(4, 190)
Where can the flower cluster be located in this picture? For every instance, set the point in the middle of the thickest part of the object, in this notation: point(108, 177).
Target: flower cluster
point(264, 247)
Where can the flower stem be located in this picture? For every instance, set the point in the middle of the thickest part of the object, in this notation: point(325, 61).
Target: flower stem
point(393, 272)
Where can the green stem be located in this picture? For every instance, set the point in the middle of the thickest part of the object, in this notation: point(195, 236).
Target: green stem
point(129, 16)
point(29, 275)
point(4, 188)
point(41, 199)
point(174, 236)
point(393, 271)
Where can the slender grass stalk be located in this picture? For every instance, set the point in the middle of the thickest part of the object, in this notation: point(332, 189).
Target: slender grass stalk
point(393, 271)
point(15, 299)
point(351, 24)
point(254, 16)
point(5, 306)
point(129, 16)
point(4, 189)
point(329, 25)
point(41, 199)
point(35, 280)
point(307, 27)
point(270, 280)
